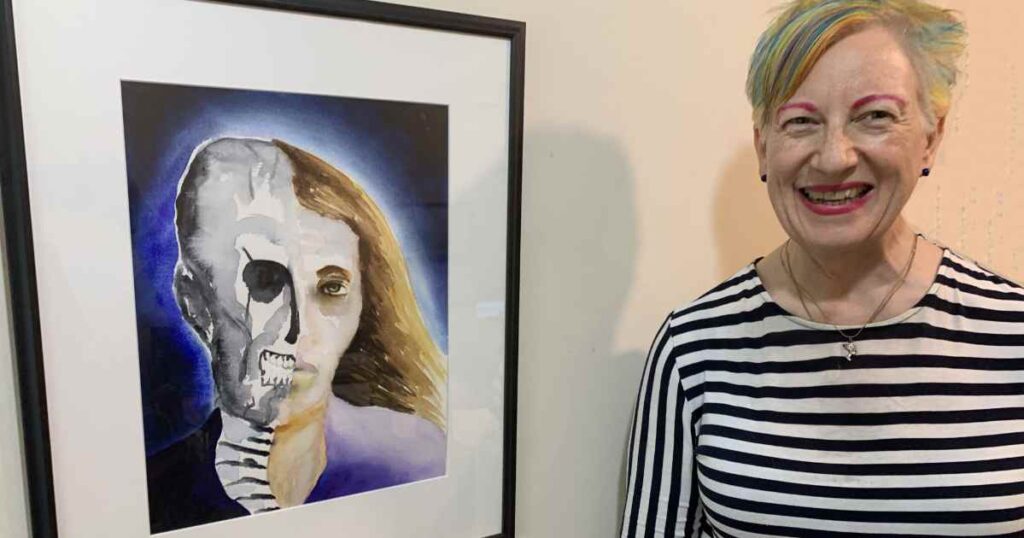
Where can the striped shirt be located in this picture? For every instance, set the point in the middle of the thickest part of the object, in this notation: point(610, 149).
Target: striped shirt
point(752, 422)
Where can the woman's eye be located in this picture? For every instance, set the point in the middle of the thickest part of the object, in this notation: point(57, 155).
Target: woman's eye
point(877, 116)
point(333, 288)
point(798, 122)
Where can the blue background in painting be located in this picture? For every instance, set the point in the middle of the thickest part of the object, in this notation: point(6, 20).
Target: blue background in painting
point(397, 151)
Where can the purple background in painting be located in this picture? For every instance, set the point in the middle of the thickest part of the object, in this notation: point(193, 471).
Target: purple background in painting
point(397, 151)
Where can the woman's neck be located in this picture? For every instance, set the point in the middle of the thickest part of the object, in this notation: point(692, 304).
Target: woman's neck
point(298, 456)
point(852, 286)
point(833, 274)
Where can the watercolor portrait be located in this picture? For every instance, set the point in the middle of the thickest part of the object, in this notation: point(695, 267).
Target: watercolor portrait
point(290, 265)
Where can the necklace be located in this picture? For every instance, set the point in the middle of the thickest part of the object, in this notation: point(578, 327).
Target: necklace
point(849, 347)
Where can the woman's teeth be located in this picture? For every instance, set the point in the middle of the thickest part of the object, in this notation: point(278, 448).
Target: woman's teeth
point(835, 197)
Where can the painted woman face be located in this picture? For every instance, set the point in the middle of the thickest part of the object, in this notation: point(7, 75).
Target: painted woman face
point(284, 292)
point(844, 154)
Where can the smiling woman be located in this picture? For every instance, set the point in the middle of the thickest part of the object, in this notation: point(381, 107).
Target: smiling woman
point(844, 152)
point(860, 379)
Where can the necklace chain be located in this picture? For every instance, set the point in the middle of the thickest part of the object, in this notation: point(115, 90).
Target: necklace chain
point(849, 347)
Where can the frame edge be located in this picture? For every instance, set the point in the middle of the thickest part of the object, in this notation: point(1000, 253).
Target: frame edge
point(515, 181)
point(21, 258)
point(24, 306)
point(388, 13)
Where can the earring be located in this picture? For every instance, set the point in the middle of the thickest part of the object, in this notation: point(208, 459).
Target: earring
point(764, 178)
point(926, 172)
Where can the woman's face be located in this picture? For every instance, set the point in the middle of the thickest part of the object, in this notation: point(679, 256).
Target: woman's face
point(322, 258)
point(843, 155)
point(284, 292)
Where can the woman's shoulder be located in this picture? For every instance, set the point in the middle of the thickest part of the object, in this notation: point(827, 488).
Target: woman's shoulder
point(726, 311)
point(377, 434)
point(971, 278)
point(371, 447)
point(964, 266)
point(731, 294)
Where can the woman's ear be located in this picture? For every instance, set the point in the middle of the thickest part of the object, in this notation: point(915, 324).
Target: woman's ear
point(934, 138)
point(759, 147)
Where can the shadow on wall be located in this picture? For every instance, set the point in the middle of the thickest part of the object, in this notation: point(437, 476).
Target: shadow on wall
point(745, 225)
point(744, 228)
point(579, 255)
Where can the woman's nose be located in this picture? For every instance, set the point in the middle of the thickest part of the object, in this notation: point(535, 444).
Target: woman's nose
point(837, 153)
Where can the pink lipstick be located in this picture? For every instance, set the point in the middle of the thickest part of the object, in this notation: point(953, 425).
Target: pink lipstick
point(836, 199)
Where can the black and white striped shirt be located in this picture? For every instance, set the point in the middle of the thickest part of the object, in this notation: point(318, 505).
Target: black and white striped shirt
point(752, 422)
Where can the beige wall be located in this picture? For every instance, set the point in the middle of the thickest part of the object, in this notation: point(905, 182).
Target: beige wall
point(641, 191)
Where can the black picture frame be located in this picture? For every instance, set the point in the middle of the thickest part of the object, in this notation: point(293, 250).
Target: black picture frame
point(17, 220)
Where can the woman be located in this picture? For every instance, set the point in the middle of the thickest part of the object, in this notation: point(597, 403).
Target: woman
point(290, 276)
point(860, 379)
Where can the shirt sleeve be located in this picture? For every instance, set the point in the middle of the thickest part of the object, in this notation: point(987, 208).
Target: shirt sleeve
point(661, 492)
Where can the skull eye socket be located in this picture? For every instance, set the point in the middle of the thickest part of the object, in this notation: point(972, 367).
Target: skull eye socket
point(265, 279)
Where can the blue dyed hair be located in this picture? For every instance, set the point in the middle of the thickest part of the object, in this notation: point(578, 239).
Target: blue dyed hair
point(933, 38)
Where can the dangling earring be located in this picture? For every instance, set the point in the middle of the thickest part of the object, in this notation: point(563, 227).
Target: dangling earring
point(926, 172)
point(764, 178)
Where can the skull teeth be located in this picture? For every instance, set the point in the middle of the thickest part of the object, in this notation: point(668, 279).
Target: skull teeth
point(276, 369)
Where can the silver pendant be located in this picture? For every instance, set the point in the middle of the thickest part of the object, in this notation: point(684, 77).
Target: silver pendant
point(851, 350)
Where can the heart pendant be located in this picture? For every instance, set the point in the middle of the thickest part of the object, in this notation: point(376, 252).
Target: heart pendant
point(851, 350)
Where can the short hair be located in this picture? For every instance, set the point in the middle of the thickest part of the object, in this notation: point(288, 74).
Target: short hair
point(393, 361)
point(933, 39)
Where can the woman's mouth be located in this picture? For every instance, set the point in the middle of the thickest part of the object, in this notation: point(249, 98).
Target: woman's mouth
point(835, 199)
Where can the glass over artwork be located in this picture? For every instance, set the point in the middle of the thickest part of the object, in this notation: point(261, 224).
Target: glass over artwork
point(290, 264)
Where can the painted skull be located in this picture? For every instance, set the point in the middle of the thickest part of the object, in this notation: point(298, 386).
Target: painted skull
point(270, 287)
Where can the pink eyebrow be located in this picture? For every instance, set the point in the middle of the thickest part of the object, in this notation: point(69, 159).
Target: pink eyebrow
point(875, 97)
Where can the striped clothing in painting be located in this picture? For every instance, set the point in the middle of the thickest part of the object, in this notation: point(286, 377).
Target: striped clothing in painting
point(752, 422)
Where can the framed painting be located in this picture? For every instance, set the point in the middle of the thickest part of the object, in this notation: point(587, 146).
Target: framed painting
point(263, 260)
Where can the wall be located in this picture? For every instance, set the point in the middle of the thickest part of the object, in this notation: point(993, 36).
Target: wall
point(641, 191)
point(13, 508)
